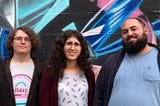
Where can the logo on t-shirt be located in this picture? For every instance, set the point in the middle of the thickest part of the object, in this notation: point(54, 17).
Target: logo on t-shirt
point(21, 88)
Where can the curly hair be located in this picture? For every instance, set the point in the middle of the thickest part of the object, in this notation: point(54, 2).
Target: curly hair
point(35, 39)
point(57, 59)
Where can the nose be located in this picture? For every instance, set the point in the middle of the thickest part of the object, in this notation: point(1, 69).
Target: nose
point(23, 41)
point(130, 32)
point(73, 46)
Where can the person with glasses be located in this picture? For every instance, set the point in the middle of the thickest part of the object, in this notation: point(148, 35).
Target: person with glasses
point(68, 80)
point(22, 70)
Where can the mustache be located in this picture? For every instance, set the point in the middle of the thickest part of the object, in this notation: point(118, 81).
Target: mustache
point(129, 37)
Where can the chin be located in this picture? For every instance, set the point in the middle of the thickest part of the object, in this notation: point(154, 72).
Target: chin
point(72, 59)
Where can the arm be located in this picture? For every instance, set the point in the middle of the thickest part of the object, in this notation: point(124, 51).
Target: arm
point(104, 83)
point(45, 90)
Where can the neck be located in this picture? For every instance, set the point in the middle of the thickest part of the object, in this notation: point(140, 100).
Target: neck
point(72, 67)
point(145, 50)
point(19, 59)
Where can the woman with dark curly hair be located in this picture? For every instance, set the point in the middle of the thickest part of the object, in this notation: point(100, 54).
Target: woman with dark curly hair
point(22, 71)
point(68, 80)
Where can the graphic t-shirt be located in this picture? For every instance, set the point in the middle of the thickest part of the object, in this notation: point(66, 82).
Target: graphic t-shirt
point(73, 90)
point(22, 78)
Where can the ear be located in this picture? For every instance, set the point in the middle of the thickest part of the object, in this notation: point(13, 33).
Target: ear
point(146, 30)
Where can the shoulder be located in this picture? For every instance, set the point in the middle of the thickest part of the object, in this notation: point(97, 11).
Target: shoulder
point(48, 82)
point(153, 45)
point(7, 60)
point(47, 73)
point(115, 56)
point(39, 62)
point(89, 74)
point(112, 62)
point(36, 60)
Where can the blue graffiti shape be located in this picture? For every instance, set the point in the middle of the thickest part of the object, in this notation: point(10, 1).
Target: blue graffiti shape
point(38, 13)
point(111, 20)
point(156, 28)
point(4, 52)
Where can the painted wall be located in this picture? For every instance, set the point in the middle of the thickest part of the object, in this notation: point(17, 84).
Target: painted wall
point(98, 20)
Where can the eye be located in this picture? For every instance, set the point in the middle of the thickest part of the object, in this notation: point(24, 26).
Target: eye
point(27, 39)
point(124, 32)
point(69, 43)
point(18, 38)
point(133, 29)
point(76, 44)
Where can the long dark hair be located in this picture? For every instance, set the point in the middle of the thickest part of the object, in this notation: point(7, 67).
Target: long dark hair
point(57, 59)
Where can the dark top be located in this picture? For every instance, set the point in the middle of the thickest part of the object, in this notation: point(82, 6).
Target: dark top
point(49, 89)
point(6, 84)
point(104, 83)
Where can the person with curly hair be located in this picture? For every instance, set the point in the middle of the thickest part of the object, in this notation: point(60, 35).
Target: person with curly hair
point(68, 80)
point(22, 70)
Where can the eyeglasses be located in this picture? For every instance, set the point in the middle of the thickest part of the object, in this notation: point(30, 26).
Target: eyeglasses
point(26, 39)
point(76, 44)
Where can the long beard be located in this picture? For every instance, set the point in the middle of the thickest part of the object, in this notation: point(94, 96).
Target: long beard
point(135, 47)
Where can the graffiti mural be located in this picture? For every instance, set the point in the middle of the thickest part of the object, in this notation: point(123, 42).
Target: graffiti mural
point(98, 20)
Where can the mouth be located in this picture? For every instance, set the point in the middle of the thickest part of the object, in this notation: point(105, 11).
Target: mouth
point(23, 47)
point(72, 53)
point(131, 39)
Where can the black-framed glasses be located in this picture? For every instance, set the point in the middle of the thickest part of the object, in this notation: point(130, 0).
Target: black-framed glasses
point(26, 39)
point(76, 44)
